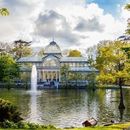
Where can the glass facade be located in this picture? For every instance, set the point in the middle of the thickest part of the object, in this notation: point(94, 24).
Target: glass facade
point(50, 65)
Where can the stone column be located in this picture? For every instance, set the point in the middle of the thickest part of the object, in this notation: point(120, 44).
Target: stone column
point(59, 75)
point(48, 75)
point(40, 74)
point(37, 75)
point(44, 75)
point(51, 75)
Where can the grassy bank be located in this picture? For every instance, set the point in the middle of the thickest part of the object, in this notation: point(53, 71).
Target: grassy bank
point(124, 126)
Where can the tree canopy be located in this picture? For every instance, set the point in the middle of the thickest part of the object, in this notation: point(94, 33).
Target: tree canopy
point(9, 69)
point(127, 6)
point(74, 53)
point(64, 70)
point(21, 49)
point(4, 12)
point(112, 62)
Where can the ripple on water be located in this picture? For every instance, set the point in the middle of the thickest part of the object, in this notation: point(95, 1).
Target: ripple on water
point(67, 108)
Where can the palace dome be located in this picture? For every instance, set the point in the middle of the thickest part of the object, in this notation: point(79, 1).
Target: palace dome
point(52, 48)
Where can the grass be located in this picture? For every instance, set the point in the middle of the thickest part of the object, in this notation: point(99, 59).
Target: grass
point(112, 127)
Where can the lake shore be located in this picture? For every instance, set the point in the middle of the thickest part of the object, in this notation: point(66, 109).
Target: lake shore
point(120, 126)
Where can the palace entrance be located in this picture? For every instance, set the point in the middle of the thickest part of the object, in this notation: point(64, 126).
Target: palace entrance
point(49, 75)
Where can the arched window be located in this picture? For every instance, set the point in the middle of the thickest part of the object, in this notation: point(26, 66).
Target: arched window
point(51, 61)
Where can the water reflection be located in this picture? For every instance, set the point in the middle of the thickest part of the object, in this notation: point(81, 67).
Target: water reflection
point(121, 114)
point(34, 114)
point(65, 108)
point(33, 108)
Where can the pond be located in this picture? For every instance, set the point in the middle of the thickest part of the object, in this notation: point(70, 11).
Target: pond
point(67, 108)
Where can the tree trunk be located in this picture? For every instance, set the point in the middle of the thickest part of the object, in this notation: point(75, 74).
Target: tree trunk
point(121, 105)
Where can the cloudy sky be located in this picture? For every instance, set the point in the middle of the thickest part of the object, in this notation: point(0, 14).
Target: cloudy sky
point(72, 23)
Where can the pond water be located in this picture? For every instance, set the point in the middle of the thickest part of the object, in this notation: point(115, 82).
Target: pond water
point(66, 108)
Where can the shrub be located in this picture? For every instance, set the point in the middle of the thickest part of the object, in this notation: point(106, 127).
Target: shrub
point(8, 124)
point(9, 112)
point(11, 118)
point(24, 125)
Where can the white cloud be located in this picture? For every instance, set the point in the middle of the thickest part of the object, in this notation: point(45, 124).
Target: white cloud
point(20, 22)
point(89, 25)
point(52, 23)
point(39, 20)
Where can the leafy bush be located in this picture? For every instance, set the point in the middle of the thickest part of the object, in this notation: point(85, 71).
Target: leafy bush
point(8, 124)
point(11, 118)
point(9, 112)
point(24, 125)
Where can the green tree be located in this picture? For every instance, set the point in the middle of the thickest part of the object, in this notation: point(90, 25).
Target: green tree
point(91, 59)
point(113, 65)
point(9, 112)
point(127, 7)
point(9, 69)
point(74, 53)
point(91, 77)
point(128, 27)
point(4, 12)
point(76, 76)
point(21, 49)
point(91, 55)
point(64, 70)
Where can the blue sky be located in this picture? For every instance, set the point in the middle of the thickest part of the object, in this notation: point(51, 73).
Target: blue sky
point(109, 6)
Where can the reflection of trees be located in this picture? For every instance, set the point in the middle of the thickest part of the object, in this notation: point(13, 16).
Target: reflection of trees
point(108, 108)
point(64, 107)
point(127, 102)
point(69, 105)
point(121, 114)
